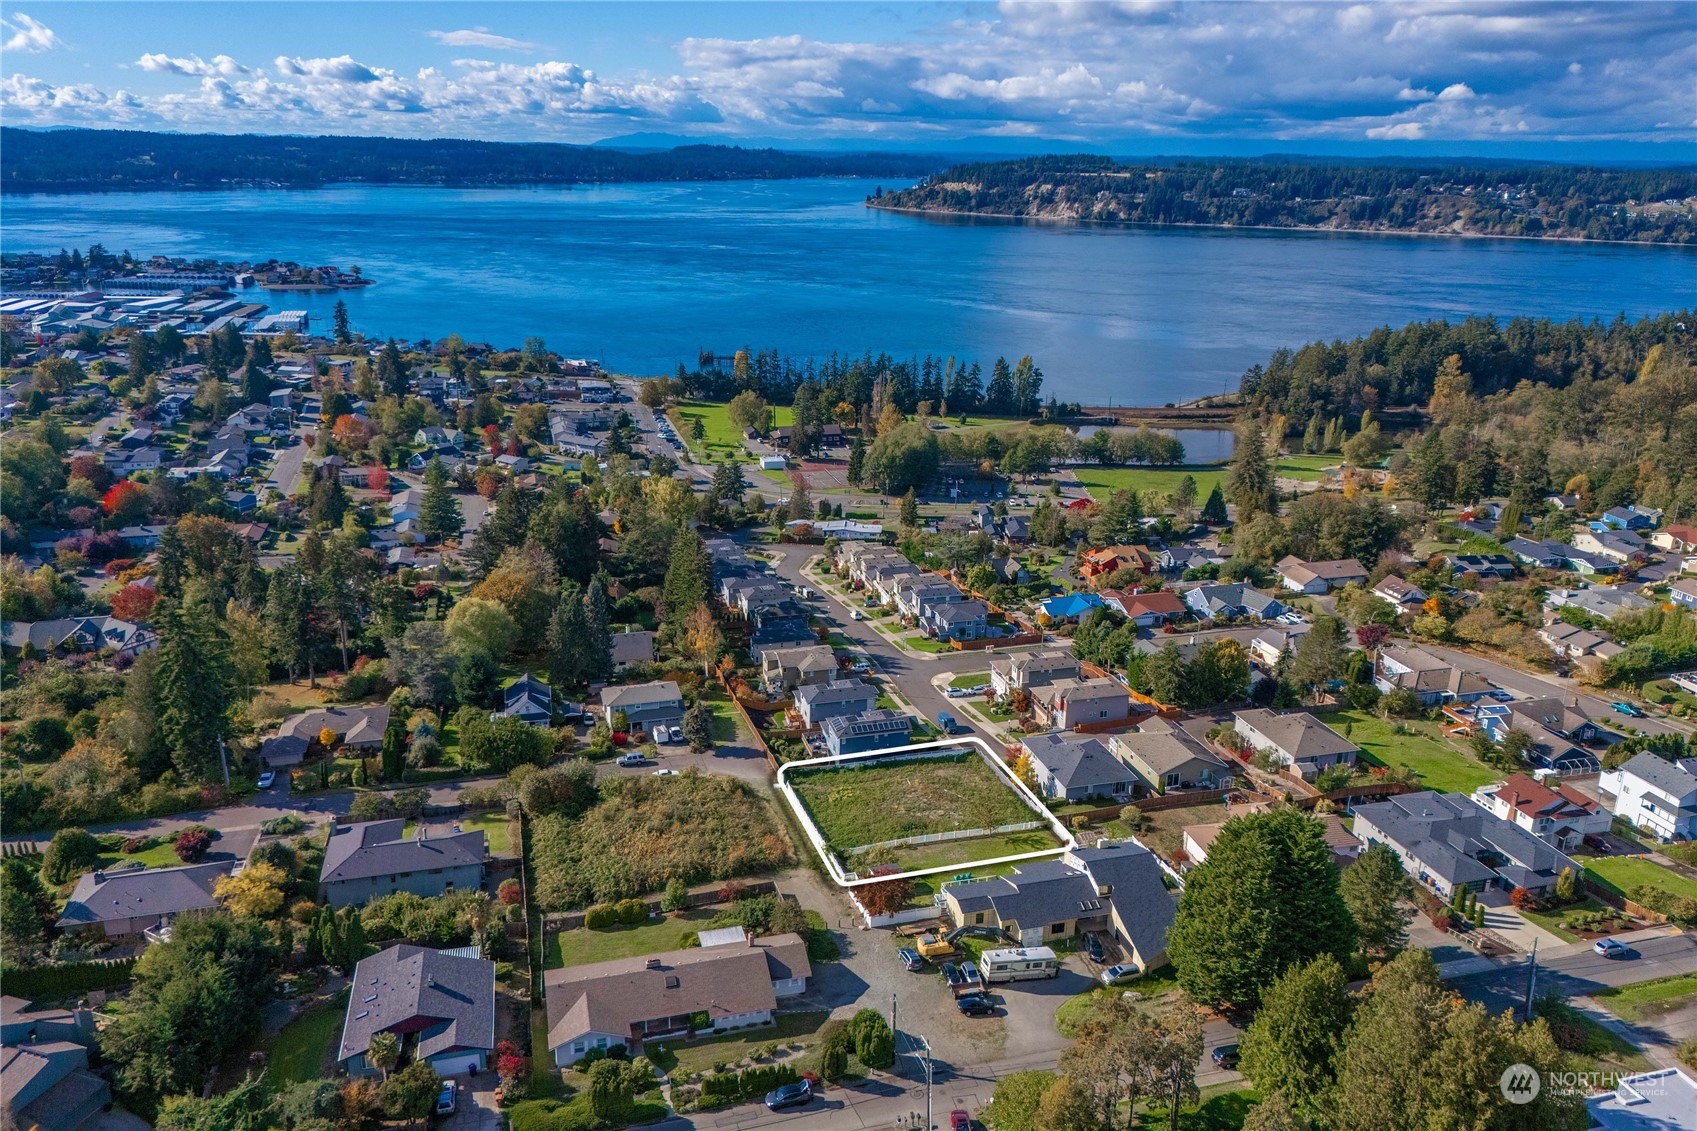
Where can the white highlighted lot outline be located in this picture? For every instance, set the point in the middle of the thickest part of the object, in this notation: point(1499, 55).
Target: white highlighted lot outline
point(917, 753)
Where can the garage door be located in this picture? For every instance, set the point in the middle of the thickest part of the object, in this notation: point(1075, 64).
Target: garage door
point(457, 1064)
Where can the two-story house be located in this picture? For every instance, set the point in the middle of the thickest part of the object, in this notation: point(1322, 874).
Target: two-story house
point(646, 705)
point(1076, 767)
point(820, 701)
point(1447, 841)
point(784, 669)
point(877, 729)
point(1030, 671)
point(1562, 817)
point(1067, 703)
point(1656, 795)
point(958, 620)
point(1297, 740)
point(1166, 758)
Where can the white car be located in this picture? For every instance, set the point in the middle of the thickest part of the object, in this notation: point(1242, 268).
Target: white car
point(677, 734)
point(664, 773)
point(856, 614)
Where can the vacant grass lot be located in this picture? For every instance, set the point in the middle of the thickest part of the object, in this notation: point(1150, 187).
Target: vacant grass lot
point(1647, 1000)
point(302, 1050)
point(1442, 764)
point(576, 948)
point(869, 804)
point(1620, 874)
point(947, 852)
point(722, 437)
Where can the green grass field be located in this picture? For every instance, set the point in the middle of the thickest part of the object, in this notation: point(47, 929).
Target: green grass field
point(300, 1052)
point(575, 948)
point(1441, 764)
point(682, 1058)
point(1620, 874)
point(970, 679)
point(1102, 481)
point(869, 804)
point(722, 437)
point(920, 643)
point(1551, 921)
point(497, 829)
point(1648, 1000)
point(950, 852)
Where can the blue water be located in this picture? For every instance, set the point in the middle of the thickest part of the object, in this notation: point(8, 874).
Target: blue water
point(642, 276)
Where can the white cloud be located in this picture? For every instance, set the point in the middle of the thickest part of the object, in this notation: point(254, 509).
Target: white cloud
point(1411, 94)
point(29, 35)
point(1402, 131)
point(1456, 92)
point(193, 65)
point(480, 37)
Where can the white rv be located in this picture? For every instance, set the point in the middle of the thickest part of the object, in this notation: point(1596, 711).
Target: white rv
point(1018, 964)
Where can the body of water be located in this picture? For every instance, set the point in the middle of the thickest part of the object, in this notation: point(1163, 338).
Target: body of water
point(642, 276)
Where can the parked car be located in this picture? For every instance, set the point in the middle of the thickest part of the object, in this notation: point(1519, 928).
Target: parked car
point(910, 959)
point(969, 974)
point(1093, 947)
point(664, 773)
point(677, 734)
point(1628, 710)
point(856, 614)
point(1612, 948)
point(1597, 844)
point(631, 759)
point(975, 1005)
point(267, 779)
point(1124, 972)
point(1225, 1057)
point(790, 1095)
point(1501, 696)
point(952, 975)
point(445, 1099)
point(959, 1120)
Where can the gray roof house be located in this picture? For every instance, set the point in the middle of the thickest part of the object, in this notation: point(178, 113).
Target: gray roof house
point(878, 729)
point(632, 647)
point(1117, 889)
point(1447, 840)
point(1656, 795)
point(787, 668)
point(78, 634)
point(820, 701)
point(1032, 670)
point(959, 620)
point(530, 700)
point(1319, 577)
point(1226, 602)
point(1298, 740)
point(47, 1086)
point(1068, 703)
point(374, 858)
point(126, 903)
point(353, 726)
point(1432, 679)
point(1076, 767)
point(646, 705)
point(1166, 758)
point(440, 1003)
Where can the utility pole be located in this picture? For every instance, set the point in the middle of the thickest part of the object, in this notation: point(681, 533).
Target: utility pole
point(1531, 979)
point(224, 761)
point(926, 1045)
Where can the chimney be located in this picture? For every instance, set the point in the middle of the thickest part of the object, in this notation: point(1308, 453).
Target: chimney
point(1101, 842)
point(654, 964)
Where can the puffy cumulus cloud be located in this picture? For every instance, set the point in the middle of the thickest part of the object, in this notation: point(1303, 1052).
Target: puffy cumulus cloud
point(1425, 69)
point(480, 37)
point(29, 35)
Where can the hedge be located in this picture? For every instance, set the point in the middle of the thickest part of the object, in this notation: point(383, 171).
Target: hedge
point(750, 1083)
point(630, 912)
point(70, 980)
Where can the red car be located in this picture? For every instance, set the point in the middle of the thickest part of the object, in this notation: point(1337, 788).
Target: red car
point(959, 1120)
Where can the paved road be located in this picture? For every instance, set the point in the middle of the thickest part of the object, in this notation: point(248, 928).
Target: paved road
point(1535, 686)
point(1576, 971)
point(287, 467)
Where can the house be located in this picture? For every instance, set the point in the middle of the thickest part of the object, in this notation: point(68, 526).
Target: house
point(21, 1025)
point(1448, 841)
point(1499, 566)
point(440, 1003)
point(1399, 593)
point(820, 701)
point(646, 705)
point(1297, 740)
point(1617, 545)
point(357, 728)
point(632, 646)
point(78, 634)
point(1541, 553)
point(373, 858)
point(1067, 703)
point(1563, 502)
point(1677, 538)
point(128, 903)
point(1431, 679)
point(781, 626)
point(1601, 601)
point(1657, 796)
point(784, 669)
point(1199, 839)
point(1555, 729)
point(1008, 570)
point(1071, 767)
point(1571, 640)
point(885, 579)
point(1031, 671)
point(1016, 528)
point(1319, 577)
point(1165, 757)
point(1229, 602)
point(878, 729)
point(142, 537)
point(729, 981)
point(1115, 889)
point(1631, 518)
point(773, 463)
point(1068, 607)
point(530, 700)
point(916, 596)
point(1270, 645)
point(1096, 564)
point(1146, 610)
point(959, 620)
point(1662, 1100)
point(1561, 817)
point(1683, 592)
point(46, 1085)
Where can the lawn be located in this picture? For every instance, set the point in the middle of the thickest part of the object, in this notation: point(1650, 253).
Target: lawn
point(681, 1059)
point(921, 643)
point(1551, 921)
point(1441, 764)
point(1223, 1107)
point(722, 437)
point(727, 724)
point(971, 679)
point(302, 1050)
point(1647, 1000)
point(494, 824)
point(1602, 1049)
point(159, 856)
point(1102, 481)
point(582, 946)
point(870, 804)
point(1163, 831)
point(1620, 874)
point(946, 852)
point(1075, 1009)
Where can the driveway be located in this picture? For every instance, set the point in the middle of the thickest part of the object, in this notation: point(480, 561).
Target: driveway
point(1505, 921)
point(476, 1110)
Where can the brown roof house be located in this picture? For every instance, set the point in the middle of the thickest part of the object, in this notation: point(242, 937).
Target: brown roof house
point(440, 1003)
point(729, 982)
point(364, 861)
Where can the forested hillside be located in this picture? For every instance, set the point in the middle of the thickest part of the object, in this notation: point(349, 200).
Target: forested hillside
point(1554, 201)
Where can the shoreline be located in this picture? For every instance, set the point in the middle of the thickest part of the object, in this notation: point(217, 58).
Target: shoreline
point(1304, 228)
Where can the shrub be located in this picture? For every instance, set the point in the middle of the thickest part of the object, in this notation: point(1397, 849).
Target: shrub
point(599, 916)
point(631, 912)
point(137, 844)
point(1680, 909)
point(749, 1084)
point(192, 845)
point(509, 893)
point(71, 853)
point(676, 897)
point(285, 825)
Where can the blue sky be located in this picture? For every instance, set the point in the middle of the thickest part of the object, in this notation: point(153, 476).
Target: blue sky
point(1517, 77)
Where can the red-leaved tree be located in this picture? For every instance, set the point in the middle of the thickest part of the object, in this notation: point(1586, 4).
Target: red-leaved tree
point(377, 478)
point(134, 602)
point(886, 897)
point(1371, 635)
point(126, 501)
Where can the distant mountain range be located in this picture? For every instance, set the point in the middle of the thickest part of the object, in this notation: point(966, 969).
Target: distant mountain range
point(79, 160)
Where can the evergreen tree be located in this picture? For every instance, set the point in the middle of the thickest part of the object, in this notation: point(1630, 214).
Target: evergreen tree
point(1311, 438)
point(598, 653)
point(1249, 477)
point(439, 513)
point(1292, 1043)
point(256, 384)
point(1376, 889)
point(910, 509)
point(999, 395)
point(689, 577)
point(1265, 900)
point(392, 375)
point(195, 679)
point(857, 460)
point(339, 322)
point(394, 749)
point(1214, 510)
point(727, 482)
point(26, 910)
point(1433, 471)
point(1333, 441)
